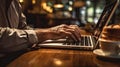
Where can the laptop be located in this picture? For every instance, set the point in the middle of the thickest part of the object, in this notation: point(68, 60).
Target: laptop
point(88, 42)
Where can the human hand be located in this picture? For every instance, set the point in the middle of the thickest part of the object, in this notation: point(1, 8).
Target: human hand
point(62, 31)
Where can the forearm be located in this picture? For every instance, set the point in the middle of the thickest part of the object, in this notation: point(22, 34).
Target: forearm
point(48, 34)
point(14, 40)
point(43, 34)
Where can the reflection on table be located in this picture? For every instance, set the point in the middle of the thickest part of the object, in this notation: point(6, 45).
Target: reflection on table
point(44, 57)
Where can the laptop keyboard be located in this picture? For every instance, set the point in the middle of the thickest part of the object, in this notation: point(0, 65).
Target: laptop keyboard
point(85, 41)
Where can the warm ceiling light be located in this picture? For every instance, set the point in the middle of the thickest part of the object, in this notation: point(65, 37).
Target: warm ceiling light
point(21, 1)
point(33, 1)
point(70, 8)
point(58, 6)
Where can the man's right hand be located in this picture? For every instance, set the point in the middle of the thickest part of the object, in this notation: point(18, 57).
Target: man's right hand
point(58, 32)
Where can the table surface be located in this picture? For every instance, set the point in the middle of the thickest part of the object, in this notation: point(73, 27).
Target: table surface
point(44, 57)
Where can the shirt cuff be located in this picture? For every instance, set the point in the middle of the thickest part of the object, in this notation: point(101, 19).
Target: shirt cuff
point(32, 37)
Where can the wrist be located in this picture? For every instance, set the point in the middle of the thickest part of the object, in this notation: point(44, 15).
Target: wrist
point(43, 34)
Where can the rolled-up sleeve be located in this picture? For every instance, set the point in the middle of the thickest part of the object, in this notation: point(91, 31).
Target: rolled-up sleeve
point(14, 39)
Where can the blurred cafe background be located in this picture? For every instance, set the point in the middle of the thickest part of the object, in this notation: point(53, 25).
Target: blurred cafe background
point(48, 13)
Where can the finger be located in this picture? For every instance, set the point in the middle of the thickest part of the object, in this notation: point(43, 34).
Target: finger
point(68, 34)
point(71, 36)
point(76, 28)
point(72, 33)
point(72, 30)
point(64, 26)
point(76, 35)
point(77, 31)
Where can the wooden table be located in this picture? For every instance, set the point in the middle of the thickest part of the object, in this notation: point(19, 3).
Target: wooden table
point(44, 57)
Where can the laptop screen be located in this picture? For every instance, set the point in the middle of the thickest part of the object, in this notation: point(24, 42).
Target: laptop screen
point(105, 18)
